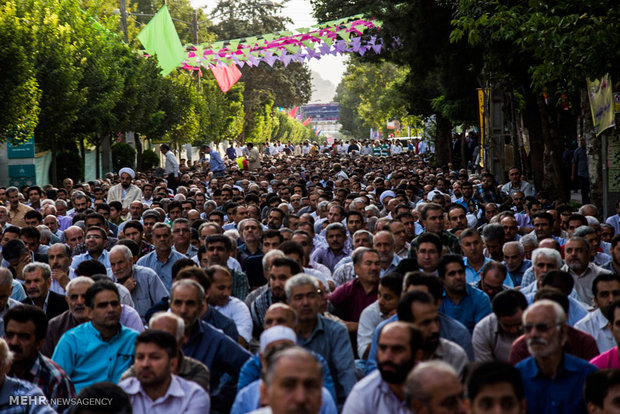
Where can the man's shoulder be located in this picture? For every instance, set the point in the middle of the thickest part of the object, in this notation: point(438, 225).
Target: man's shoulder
point(144, 270)
point(575, 364)
point(332, 326)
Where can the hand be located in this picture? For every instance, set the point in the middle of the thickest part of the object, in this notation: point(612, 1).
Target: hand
point(61, 277)
point(130, 284)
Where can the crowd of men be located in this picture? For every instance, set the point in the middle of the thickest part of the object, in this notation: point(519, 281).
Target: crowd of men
point(329, 281)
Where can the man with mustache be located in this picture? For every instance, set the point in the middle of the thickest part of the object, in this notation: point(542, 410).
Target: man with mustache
point(37, 280)
point(25, 329)
point(552, 378)
point(59, 255)
point(400, 349)
point(155, 388)
point(583, 271)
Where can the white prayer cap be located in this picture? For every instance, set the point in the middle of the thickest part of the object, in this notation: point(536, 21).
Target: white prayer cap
point(276, 333)
point(127, 170)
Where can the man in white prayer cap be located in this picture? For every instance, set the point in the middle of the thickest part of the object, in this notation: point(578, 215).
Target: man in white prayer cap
point(125, 192)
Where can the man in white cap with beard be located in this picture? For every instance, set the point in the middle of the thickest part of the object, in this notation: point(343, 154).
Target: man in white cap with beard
point(125, 192)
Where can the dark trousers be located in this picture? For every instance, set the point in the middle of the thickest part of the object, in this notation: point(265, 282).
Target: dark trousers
point(172, 182)
point(584, 186)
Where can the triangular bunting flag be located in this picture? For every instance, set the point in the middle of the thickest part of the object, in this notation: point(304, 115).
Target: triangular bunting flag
point(226, 76)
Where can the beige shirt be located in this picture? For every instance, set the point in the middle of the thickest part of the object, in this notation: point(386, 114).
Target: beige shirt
point(16, 217)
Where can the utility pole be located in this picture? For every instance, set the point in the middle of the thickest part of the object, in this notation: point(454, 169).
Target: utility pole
point(195, 39)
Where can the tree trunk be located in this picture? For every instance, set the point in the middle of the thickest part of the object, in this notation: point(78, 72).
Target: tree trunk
point(593, 149)
point(54, 177)
point(532, 123)
point(83, 153)
point(97, 160)
point(442, 141)
point(138, 152)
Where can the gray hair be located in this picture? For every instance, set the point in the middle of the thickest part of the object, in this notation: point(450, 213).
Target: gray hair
point(6, 277)
point(161, 225)
point(188, 283)
point(336, 226)
point(415, 384)
point(514, 244)
point(77, 194)
point(79, 280)
point(560, 315)
point(271, 256)
point(359, 253)
point(580, 239)
point(583, 231)
point(582, 209)
point(592, 221)
point(367, 233)
point(549, 253)
point(123, 249)
point(60, 202)
point(530, 239)
point(169, 315)
point(374, 210)
point(299, 280)
point(46, 271)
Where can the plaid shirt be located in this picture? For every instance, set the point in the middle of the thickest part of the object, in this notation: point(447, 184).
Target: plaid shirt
point(488, 196)
point(447, 239)
point(51, 378)
point(146, 248)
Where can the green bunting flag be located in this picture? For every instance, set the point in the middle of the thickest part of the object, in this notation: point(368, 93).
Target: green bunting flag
point(160, 38)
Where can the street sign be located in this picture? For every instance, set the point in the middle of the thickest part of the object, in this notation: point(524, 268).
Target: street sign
point(25, 150)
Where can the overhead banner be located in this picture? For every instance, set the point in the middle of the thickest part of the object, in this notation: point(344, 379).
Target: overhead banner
point(483, 94)
point(601, 103)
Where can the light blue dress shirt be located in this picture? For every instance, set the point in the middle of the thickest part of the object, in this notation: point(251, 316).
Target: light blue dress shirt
point(474, 306)
point(104, 259)
point(163, 270)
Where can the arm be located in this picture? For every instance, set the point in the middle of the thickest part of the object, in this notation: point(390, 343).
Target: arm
point(483, 351)
point(343, 359)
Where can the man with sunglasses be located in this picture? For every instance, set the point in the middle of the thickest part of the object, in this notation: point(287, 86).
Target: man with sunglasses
point(553, 379)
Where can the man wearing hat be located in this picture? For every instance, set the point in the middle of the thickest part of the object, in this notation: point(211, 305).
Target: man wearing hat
point(125, 192)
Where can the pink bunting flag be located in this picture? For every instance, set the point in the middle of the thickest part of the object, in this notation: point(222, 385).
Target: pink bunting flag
point(226, 76)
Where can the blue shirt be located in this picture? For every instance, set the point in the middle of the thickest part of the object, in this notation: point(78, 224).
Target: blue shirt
point(560, 395)
point(88, 359)
point(163, 270)
point(517, 275)
point(449, 329)
point(14, 387)
point(250, 372)
point(474, 306)
point(472, 275)
point(215, 162)
point(149, 289)
point(331, 340)
point(104, 259)
point(217, 351)
point(576, 310)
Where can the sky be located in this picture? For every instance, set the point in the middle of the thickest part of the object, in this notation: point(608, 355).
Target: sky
point(328, 67)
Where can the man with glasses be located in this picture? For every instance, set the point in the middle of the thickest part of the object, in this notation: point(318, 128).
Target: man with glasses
point(95, 241)
point(181, 238)
point(552, 378)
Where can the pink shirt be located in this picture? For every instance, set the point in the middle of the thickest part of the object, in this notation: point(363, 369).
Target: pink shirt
point(607, 359)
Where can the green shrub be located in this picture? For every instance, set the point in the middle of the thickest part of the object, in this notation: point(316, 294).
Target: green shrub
point(150, 159)
point(123, 155)
point(69, 165)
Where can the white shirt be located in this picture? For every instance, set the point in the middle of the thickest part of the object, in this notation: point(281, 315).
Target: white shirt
point(597, 326)
point(236, 310)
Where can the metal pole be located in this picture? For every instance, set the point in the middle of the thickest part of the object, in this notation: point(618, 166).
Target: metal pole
point(123, 10)
point(195, 39)
point(604, 173)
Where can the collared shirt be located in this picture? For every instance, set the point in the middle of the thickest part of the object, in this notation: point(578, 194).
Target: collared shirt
point(163, 270)
point(474, 306)
point(373, 395)
point(52, 380)
point(149, 289)
point(576, 310)
point(236, 310)
point(597, 325)
point(525, 187)
point(490, 342)
point(370, 318)
point(488, 196)
point(448, 240)
point(607, 360)
point(17, 215)
point(182, 396)
point(583, 282)
point(146, 248)
point(351, 299)
point(81, 247)
point(327, 257)
point(395, 261)
point(562, 394)
point(55, 286)
point(215, 162)
point(104, 259)
point(472, 275)
point(344, 273)
point(517, 275)
point(191, 251)
point(222, 322)
point(452, 354)
point(14, 387)
point(331, 340)
point(172, 165)
point(88, 359)
point(217, 351)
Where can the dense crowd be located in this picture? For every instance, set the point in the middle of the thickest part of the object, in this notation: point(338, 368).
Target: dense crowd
point(346, 278)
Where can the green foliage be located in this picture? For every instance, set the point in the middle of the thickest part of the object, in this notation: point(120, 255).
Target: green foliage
point(123, 155)
point(69, 165)
point(149, 160)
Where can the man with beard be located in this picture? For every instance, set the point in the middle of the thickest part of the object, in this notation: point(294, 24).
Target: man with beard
point(384, 243)
point(37, 284)
point(95, 245)
point(125, 191)
point(99, 350)
point(25, 331)
point(155, 388)
point(583, 271)
point(336, 236)
point(59, 255)
point(494, 334)
point(280, 271)
point(461, 301)
point(552, 378)
point(419, 308)
point(69, 319)
point(515, 261)
point(383, 391)
point(606, 290)
point(218, 249)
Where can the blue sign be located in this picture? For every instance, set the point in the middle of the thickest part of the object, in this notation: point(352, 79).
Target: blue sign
point(25, 150)
point(22, 175)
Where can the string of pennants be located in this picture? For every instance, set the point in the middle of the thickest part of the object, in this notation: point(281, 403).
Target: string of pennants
point(300, 45)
